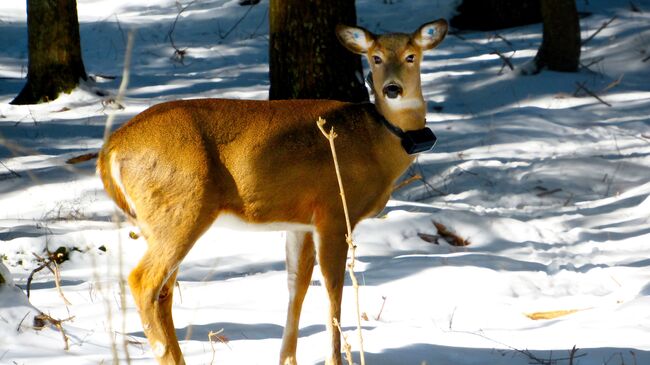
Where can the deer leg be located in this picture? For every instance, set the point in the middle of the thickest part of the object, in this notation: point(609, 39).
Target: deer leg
point(300, 265)
point(332, 254)
point(152, 280)
point(152, 286)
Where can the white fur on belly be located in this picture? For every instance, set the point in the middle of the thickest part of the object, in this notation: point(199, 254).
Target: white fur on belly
point(232, 221)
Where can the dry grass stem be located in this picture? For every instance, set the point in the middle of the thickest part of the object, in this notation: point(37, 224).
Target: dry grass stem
point(214, 337)
point(346, 346)
point(122, 286)
point(81, 158)
point(52, 259)
point(383, 303)
point(551, 314)
point(57, 281)
point(348, 237)
point(613, 84)
point(408, 181)
point(42, 319)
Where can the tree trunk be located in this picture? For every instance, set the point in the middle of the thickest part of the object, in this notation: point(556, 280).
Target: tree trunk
point(495, 14)
point(55, 63)
point(560, 49)
point(306, 59)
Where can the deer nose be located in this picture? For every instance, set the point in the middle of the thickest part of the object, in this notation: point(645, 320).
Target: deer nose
point(392, 91)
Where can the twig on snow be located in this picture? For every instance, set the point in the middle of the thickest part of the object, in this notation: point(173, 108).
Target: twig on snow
point(572, 354)
point(82, 158)
point(383, 303)
point(226, 34)
point(179, 54)
point(499, 36)
point(42, 319)
point(21, 321)
point(54, 258)
point(548, 192)
point(11, 172)
point(613, 84)
point(591, 63)
point(506, 61)
point(635, 8)
point(533, 359)
point(408, 181)
point(449, 236)
point(603, 26)
point(581, 86)
point(216, 336)
point(264, 17)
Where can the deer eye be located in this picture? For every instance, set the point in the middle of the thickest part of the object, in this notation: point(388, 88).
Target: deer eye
point(377, 60)
point(410, 58)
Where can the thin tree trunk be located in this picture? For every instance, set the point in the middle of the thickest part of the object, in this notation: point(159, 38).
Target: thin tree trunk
point(560, 49)
point(306, 59)
point(55, 63)
point(496, 14)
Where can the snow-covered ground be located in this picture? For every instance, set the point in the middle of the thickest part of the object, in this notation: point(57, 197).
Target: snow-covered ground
point(551, 189)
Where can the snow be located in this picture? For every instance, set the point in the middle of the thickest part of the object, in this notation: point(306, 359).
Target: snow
point(552, 190)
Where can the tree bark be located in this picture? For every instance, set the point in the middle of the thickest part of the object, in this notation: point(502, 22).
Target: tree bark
point(55, 63)
point(306, 59)
point(560, 49)
point(495, 14)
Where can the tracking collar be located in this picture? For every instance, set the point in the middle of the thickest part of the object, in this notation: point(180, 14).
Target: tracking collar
point(413, 142)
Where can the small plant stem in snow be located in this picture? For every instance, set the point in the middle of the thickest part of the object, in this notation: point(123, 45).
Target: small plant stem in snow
point(383, 303)
point(42, 319)
point(346, 346)
point(122, 286)
point(348, 237)
point(408, 181)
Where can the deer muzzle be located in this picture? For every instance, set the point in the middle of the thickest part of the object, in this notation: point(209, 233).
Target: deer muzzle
point(392, 90)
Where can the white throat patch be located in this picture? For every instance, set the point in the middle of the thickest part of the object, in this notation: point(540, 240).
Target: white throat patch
point(400, 103)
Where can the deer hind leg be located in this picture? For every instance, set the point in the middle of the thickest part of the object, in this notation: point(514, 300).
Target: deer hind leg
point(332, 250)
point(300, 265)
point(152, 281)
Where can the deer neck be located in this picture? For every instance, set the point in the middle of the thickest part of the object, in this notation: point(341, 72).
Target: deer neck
point(406, 113)
point(405, 119)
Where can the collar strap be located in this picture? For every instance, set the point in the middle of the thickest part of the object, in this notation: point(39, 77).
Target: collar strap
point(413, 142)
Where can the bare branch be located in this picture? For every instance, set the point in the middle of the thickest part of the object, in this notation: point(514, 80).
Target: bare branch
point(603, 26)
point(613, 84)
point(42, 319)
point(383, 303)
point(227, 33)
point(581, 86)
point(408, 181)
point(179, 54)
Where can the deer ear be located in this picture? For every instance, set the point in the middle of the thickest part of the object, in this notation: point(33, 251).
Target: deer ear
point(429, 35)
point(355, 39)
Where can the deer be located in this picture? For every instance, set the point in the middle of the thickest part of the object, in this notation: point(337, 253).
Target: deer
point(181, 167)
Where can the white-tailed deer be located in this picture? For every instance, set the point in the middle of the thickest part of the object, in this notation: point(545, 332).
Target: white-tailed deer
point(178, 166)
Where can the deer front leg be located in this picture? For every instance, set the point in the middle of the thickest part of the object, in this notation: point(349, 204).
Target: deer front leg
point(300, 265)
point(332, 254)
